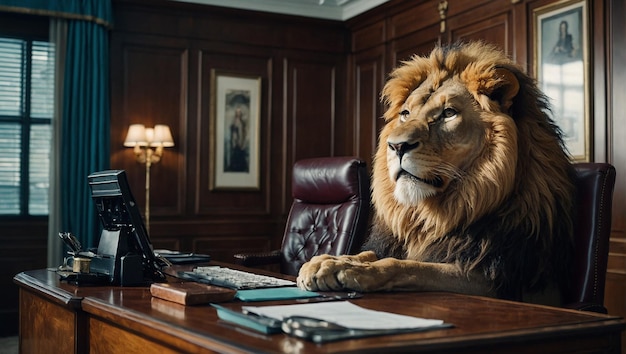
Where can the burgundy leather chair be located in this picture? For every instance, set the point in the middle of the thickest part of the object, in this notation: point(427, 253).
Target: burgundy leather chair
point(329, 214)
point(592, 230)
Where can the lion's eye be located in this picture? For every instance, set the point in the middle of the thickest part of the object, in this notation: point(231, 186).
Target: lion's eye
point(448, 114)
point(404, 115)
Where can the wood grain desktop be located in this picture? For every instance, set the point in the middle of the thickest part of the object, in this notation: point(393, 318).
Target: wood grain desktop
point(109, 319)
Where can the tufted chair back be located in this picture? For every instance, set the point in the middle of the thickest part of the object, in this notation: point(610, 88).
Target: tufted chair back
point(592, 230)
point(330, 211)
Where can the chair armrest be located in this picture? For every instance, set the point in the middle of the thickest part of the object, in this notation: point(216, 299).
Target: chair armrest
point(586, 306)
point(257, 259)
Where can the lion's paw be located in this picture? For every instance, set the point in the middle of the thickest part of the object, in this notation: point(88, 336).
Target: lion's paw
point(333, 273)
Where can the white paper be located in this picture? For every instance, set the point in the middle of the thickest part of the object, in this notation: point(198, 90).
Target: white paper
point(345, 314)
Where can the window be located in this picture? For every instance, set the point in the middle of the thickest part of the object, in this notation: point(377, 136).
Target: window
point(26, 111)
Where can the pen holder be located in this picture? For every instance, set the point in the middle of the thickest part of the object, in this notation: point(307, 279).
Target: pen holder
point(78, 264)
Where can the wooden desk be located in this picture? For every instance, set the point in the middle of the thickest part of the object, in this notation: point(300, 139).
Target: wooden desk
point(113, 319)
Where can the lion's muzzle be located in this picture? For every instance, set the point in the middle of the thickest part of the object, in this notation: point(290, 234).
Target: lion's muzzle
point(402, 148)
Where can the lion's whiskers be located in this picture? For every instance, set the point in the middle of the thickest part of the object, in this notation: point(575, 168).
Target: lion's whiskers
point(449, 171)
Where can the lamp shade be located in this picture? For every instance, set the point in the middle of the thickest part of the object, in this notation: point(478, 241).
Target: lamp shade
point(162, 136)
point(136, 136)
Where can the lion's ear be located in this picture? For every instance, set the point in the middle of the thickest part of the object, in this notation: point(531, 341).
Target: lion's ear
point(506, 89)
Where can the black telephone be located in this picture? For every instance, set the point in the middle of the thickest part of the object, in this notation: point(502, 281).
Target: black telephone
point(124, 255)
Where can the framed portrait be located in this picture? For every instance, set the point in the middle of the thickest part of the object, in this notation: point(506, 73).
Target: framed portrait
point(235, 126)
point(562, 70)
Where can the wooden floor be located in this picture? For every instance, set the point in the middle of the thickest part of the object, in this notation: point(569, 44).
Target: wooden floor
point(9, 345)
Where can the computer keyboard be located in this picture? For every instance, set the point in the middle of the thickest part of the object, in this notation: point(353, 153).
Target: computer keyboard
point(233, 278)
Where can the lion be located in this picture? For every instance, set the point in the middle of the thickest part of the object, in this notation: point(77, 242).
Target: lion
point(472, 186)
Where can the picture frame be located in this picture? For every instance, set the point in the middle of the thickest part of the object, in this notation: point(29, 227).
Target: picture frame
point(235, 131)
point(561, 48)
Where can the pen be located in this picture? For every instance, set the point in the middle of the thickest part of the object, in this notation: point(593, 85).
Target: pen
point(331, 297)
point(266, 321)
point(249, 320)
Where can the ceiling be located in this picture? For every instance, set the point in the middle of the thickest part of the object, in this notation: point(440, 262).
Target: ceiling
point(340, 10)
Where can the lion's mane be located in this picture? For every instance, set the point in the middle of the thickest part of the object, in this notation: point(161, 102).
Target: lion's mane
point(510, 213)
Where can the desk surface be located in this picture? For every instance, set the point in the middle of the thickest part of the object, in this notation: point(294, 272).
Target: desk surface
point(480, 324)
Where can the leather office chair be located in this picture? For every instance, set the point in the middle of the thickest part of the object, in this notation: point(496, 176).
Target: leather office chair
point(329, 214)
point(592, 229)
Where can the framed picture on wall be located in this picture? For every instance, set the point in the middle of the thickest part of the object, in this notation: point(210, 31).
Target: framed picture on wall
point(235, 126)
point(562, 69)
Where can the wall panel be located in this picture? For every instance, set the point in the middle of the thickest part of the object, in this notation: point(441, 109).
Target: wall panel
point(311, 89)
point(418, 43)
point(222, 247)
point(490, 22)
point(152, 89)
point(496, 30)
point(23, 248)
point(615, 138)
point(229, 202)
point(310, 86)
point(369, 75)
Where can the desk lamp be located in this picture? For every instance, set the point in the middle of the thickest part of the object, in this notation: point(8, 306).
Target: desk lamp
point(148, 144)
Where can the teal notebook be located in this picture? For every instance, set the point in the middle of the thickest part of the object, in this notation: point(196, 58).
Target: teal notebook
point(268, 294)
point(258, 323)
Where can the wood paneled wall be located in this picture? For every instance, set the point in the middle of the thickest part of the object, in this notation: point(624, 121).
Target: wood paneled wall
point(616, 141)
point(163, 54)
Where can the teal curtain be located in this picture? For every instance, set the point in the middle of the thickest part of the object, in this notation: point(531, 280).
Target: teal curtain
point(96, 11)
point(85, 119)
point(85, 127)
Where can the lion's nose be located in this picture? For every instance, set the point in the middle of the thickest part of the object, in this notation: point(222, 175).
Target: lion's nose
point(402, 148)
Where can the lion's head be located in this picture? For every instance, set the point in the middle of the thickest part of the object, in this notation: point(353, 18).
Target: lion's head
point(469, 164)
